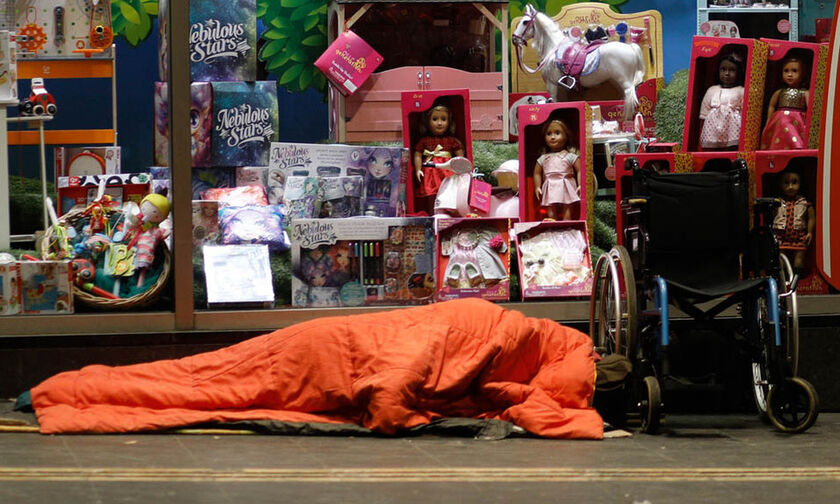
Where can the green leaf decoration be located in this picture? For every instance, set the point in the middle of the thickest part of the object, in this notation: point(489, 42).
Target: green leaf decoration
point(314, 40)
point(274, 34)
point(293, 4)
point(290, 74)
point(305, 78)
point(130, 13)
point(271, 49)
point(151, 7)
point(300, 13)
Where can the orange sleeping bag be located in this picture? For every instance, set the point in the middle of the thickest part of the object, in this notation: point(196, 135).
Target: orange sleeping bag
point(386, 371)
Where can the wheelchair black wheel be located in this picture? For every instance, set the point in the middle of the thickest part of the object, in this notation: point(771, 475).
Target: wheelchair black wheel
point(612, 307)
point(792, 406)
point(789, 316)
point(650, 405)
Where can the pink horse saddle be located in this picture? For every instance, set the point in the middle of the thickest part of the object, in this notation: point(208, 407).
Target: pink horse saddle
point(572, 62)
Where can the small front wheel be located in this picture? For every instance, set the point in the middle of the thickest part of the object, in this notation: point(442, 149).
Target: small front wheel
point(792, 406)
point(650, 405)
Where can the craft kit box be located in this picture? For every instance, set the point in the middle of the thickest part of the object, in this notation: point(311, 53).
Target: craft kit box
point(554, 259)
point(82, 190)
point(814, 60)
point(577, 116)
point(223, 40)
point(201, 124)
point(383, 169)
point(10, 288)
point(77, 161)
point(348, 62)
point(46, 287)
point(473, 258)
point(414, 106)
point(8, 66)
point(362, 261)
point(706, 53)
point(769, 167)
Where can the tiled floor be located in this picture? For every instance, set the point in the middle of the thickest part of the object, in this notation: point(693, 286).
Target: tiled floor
point(722, 458)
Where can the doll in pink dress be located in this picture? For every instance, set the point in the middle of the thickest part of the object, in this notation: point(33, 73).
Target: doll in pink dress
point(795, 220)
point(786, 127)
point(557, 171)
point(720, 111)
point(436, 147)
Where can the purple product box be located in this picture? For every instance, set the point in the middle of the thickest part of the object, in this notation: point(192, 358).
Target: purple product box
point(223, 40)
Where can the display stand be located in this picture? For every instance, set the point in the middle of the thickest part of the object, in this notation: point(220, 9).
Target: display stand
point(779, 22)
point(5, 227)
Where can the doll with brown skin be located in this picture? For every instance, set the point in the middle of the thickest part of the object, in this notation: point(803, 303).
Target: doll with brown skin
point(786, 127)
point(557, 172)
point(720, 111)
point(437, 146)
point(795, 220)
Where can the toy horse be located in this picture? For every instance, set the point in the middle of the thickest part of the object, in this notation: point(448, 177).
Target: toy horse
point(566, 62)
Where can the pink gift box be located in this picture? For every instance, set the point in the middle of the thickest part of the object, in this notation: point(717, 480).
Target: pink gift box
point(348, 62)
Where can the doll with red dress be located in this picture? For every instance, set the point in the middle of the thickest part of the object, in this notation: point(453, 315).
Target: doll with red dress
point(786, 127)
point(437, 146)
point(721, 109)
point(557, 172)
point(795, 220)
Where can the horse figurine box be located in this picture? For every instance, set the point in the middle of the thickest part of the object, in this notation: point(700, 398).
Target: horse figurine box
point(725, 93)
point(555, 160)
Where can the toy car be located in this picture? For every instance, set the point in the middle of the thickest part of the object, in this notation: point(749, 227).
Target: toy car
point(40, 102)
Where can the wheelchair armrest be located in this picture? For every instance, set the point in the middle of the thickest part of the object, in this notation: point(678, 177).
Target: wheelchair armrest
point(763, 204)
point(633, 202)
point(765, 210)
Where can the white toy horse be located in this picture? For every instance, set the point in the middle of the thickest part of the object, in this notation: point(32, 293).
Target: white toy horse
point(620, 62)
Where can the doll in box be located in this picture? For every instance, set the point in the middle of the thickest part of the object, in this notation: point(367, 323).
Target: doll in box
point(720, 111)
point(795, 220)
point(557, 172)
point(437, 145)
point(786, 126)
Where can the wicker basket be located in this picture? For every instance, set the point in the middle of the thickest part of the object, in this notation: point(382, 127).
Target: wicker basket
point(76, 219)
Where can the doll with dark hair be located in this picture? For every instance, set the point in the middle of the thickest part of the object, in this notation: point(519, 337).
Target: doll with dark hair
point(795, 219)
point(720, 111)
point(437, 146)
point(557, 170)
point(786, 126)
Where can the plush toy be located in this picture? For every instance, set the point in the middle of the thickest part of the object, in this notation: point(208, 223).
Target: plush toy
point(786, 127)
point(557, 170)
point(154, 209)
point(720, 111)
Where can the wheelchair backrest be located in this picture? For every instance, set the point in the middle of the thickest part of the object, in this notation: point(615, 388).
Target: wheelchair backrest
point(696, 224)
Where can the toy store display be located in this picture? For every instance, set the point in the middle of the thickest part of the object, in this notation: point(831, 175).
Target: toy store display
point(57, 30)
point(80, 191)
point(123, 244)
point(791, 176)
point(554, 259)
point(361, 261)
point(436, 130)
point(555, 160)
point(348, 62)
point(793, 94)
point(238, 276)
point(473, 258)
point(725, 91)
point(332, 173)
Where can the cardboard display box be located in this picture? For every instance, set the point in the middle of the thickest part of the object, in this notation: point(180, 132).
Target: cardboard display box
point(70, 161)
point(554, 259)
point(82, 190)
point(348, 62)
point(46, 287)
point(703, 74)
point(532, 118)
point(223, 40)
point(362, 261)
point(10, 288)
point(415, 105)
point(383, 168)
point(473, 257)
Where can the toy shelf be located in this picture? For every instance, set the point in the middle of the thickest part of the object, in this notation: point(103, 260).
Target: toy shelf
point(779, 22)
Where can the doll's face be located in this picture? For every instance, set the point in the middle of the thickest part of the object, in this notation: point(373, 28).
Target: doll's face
point(727, 73)
point(792, 73)
point(790, 185)
point(151, 213)
point(555, 137)
point(380, 163)
point(438, 122)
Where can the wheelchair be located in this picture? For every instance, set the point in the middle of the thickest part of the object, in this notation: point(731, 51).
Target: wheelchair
point(689, 244)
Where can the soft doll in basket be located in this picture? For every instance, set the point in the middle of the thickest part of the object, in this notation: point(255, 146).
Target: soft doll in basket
point(154, 209)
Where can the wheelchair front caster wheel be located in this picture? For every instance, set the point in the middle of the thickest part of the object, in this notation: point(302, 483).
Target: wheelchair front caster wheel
point(792, 405)
point(650, 405)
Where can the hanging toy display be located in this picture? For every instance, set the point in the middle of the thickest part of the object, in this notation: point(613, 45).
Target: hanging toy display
point(101, 34)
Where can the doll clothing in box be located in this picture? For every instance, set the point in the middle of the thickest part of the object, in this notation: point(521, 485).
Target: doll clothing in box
point(471, 259)
point(559, 185)
point(790, 223)
point(554, 258)
point(785, 128)
point(435, 150)
point(721, 113)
